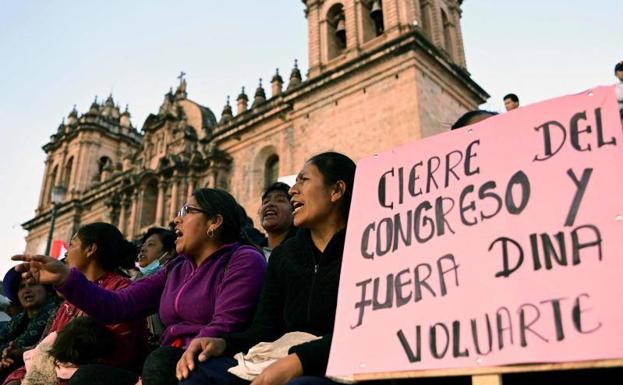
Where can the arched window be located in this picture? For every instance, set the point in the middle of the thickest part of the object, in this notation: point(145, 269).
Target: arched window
point(336, 31)
point(447, 33)
point(425, 17)
point(67, 172)
point(150, 197)
point(372, 19)
point(104, 164)
point(271, 170)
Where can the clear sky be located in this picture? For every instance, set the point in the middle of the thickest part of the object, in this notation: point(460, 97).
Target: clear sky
point(55, 54)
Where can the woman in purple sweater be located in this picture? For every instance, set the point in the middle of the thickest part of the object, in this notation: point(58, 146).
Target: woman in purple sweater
point(211, 288)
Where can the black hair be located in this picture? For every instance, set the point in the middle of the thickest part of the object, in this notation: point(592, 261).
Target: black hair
point(167, 237)
point(12, 281)
point(277, 186)
point(83, 341)
point(219, 202)
point(113, 250)
point(466, 118)
point(249, 235)
point(618, 67)
point(336, 167)
point(512, 97)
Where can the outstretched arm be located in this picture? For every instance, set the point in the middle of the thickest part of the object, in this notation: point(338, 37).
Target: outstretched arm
point(137, 300)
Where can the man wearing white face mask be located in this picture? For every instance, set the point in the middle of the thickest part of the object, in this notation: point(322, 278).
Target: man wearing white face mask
point(157, 248)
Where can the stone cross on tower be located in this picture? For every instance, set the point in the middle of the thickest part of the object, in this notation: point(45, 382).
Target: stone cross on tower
point(180, 93)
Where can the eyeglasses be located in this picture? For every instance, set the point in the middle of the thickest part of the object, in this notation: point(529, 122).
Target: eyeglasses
point(186, 209)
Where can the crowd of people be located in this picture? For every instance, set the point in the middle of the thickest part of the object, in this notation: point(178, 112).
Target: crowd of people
point(210, 300)
point(178, 308)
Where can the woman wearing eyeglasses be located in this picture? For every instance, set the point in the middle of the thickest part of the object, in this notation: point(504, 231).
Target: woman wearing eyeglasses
point(211, 288)
point(300, 293)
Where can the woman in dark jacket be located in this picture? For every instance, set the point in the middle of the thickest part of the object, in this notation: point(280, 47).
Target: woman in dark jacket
point(39, 304)
point(300, 291)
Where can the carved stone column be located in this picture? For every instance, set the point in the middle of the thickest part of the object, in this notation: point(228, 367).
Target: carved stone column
point(160, 202)
point(455, 15)
point(122, 215)
point(114, 205)
point(192, 182)
point(212, 178)
point(45, 186)
point(174, 201)
point(133, 214)
point(60, 174)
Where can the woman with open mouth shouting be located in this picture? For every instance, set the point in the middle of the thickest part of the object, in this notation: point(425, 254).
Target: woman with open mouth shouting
point(210, 288)
point(157, 248)
point(300, 292)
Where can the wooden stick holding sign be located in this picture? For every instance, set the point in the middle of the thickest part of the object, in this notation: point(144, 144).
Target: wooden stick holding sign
point(494, 245)
point(495, 371)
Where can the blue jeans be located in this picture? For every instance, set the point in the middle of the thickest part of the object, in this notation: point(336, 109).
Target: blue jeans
point(214, 372)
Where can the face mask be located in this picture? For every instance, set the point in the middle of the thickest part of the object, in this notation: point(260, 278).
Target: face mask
point(151, 268)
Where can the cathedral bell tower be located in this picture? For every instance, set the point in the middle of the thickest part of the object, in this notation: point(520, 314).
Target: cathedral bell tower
point(340, 30)
point(87, 150)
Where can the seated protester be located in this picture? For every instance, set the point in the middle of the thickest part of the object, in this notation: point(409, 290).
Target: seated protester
point(211, 288)
point(82, 341)
point(276, 216)
point(472, 117)
point(300, 292)
point(97, 252)
point(157, 248)
point(39, 303)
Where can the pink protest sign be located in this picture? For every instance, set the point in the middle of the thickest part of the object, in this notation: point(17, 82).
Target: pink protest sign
point(495, 244)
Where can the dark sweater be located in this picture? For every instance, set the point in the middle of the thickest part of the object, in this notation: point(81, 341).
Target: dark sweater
point(24, 331)
point(299, 294)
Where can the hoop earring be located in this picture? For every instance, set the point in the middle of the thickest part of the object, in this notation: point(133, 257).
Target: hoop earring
point(210, 232)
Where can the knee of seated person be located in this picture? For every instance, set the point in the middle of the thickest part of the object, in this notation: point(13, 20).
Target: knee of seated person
point(159, 367)
point(164, 356)
point(214, 372)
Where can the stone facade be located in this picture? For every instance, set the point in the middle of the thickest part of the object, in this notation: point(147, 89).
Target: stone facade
point(381, 73)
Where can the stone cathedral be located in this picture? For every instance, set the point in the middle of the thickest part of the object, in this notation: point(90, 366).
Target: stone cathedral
point(380, 73)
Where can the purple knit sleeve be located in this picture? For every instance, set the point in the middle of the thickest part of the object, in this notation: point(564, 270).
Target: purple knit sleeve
point(140, 299)
point(238, 294)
